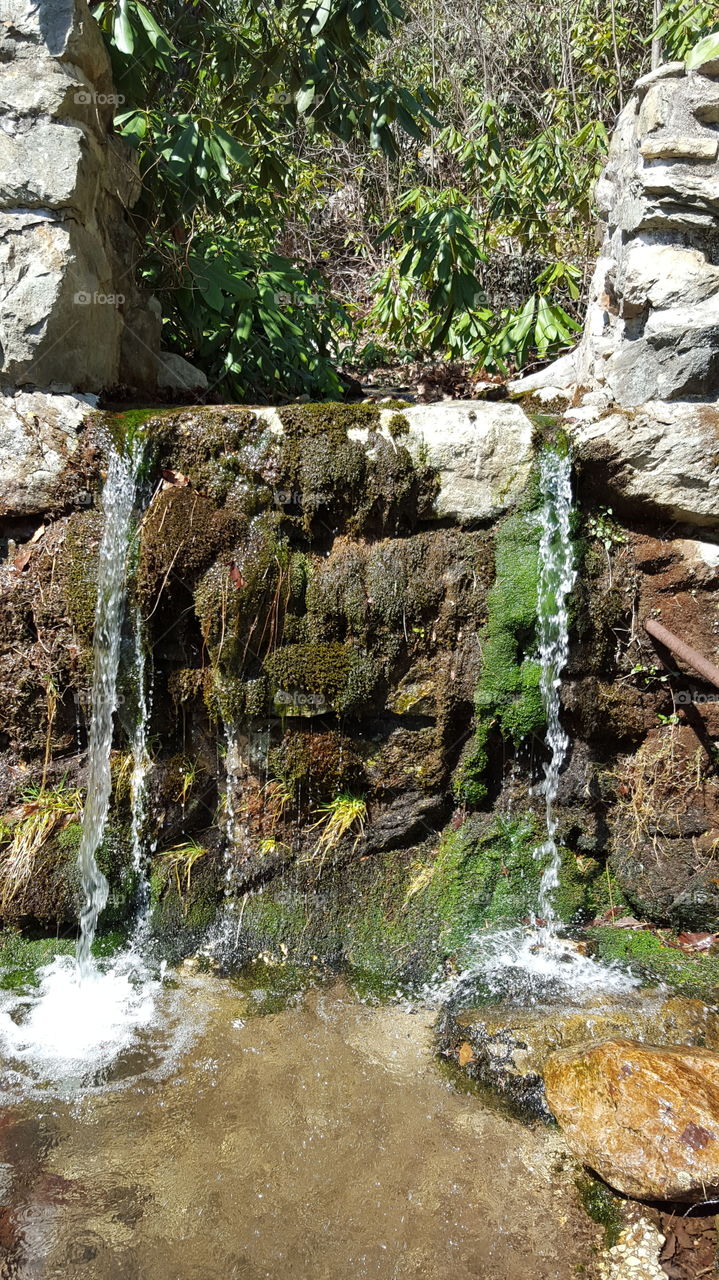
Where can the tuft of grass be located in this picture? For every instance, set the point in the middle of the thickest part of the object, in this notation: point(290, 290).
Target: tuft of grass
point(279, 795)
point(337, 818)
point(180, 860)
point(26, 831)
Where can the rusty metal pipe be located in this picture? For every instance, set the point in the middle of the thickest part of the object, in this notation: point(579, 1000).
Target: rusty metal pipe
point(683, 651)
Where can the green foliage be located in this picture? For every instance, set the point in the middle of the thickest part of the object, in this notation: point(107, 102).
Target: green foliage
point(180, 860)
point(216, 99)
point(26, 836)
point(344, 814)
point(684, 27)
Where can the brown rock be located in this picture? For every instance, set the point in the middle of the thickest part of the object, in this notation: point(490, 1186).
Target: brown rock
point(645, 1118)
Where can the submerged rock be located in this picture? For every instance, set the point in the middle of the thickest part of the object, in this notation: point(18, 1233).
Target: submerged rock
point(506, 1047)
point(645, 1118)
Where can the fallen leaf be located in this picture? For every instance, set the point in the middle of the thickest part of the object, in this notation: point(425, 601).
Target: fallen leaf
point(174, 478)
point(24, 553)
point(696, 941)
point(466, 1054)
point(236, 576)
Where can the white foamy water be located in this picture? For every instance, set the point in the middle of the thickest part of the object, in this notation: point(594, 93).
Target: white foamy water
point(75, 1024)
point(525, 966)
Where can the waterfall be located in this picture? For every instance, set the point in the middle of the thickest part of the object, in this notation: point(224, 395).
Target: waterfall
point(538, 963)
point(556, 579)
point(118, 502)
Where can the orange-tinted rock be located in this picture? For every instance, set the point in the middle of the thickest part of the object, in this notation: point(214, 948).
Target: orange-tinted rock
point(645, 1118)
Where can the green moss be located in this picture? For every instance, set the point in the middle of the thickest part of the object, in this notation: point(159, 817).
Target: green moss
point(21, 956)
point(508, 697)
point(77, 567)
point(316, 765)
point(242, 599)
point(336, 675)
point(329, 418)
point(398, 425)
point(396, 917)
point(602, 1206)
point(180, 920)
point(647, 955)
point(365, 486)
point(181, 534)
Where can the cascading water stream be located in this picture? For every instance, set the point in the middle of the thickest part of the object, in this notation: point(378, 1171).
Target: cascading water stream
point(556, 579)
point(140, 767)
point(118, 501)
point(83, 1014)
point(533, 963)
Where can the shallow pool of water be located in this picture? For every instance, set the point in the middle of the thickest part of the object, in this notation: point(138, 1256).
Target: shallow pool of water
point(320, 1142)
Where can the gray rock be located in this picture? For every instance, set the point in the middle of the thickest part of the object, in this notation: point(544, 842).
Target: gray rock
point(67, 252)
point(652, 328)
point(38, 436)
point(559, 376)
point(482, 451)
point(174, 373)
point(662, 456)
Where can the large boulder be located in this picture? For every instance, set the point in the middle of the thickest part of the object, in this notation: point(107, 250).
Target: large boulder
point(482, 451)
point(645, 1118)
point(506, 1047)
point(652, 329)
point(71, 316)
point(663, 456)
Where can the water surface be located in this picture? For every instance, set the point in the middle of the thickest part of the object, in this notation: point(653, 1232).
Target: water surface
point(320, 1142)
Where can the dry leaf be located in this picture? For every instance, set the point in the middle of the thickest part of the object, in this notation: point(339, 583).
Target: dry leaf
point(466, 1054)
point(174, 479)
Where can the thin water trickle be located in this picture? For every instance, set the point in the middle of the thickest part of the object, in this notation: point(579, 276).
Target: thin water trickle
point(556, 579)
point(118, 501)
point(140, 759)
point(529, 964)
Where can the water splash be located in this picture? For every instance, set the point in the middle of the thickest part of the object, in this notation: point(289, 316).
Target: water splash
point(118, 501)
point(556, 579)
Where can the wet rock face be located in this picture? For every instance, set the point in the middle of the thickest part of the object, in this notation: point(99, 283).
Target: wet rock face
point(506, 1047)
point(652, 330)
point(644, 1118)
point(72, 318)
